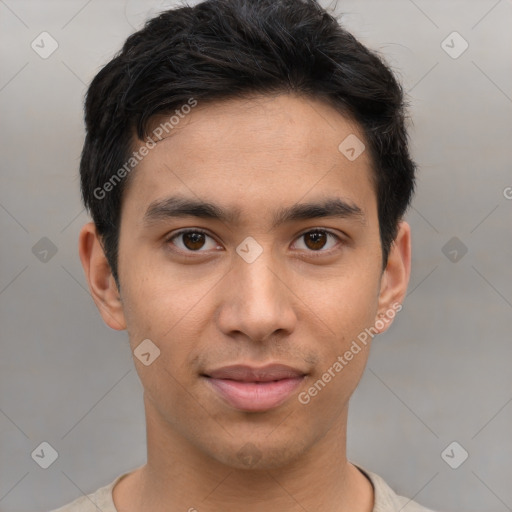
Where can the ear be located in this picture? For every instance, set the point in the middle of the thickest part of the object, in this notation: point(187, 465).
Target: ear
point(395, 278)
point(102, 285)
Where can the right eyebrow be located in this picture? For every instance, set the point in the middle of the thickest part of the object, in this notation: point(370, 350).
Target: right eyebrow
point(177, 206)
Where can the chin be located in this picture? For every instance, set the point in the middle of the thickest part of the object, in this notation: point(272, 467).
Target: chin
point(263, 454)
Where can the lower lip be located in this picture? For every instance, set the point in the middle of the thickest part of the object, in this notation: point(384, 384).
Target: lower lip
point(255, 397)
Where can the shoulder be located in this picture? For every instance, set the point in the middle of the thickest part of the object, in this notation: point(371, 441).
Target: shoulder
point(98, 501)
point(386, 500)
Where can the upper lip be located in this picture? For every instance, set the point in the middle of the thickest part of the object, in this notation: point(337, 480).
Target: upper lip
point(246, 373)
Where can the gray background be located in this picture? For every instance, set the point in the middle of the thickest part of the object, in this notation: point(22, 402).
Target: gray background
point(440, 374)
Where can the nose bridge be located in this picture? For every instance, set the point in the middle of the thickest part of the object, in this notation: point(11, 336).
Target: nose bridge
point(258, 278)
point(259, 302)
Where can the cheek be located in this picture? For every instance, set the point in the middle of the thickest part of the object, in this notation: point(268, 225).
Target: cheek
point(160, 302)
point(328, 390)
point(171, 320)
point(171, 312)
point(348, 309)
point(348, 305)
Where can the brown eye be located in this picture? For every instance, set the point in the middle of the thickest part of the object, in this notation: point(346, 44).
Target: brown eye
point(315, 240)
point(193, 240)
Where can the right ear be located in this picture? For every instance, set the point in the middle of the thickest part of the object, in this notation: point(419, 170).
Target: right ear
point(102, 284)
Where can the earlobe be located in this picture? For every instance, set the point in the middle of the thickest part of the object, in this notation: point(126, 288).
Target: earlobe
point(395, 278)
point(102, 285)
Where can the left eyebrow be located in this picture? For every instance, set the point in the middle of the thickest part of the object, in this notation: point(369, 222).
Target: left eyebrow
point(331, 207)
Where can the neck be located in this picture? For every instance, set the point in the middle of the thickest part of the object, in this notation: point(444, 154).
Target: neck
point(180, 474)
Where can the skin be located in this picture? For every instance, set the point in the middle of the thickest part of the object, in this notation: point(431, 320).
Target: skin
point(209, 309)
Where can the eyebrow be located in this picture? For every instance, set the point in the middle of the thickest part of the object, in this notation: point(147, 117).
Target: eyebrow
point(178, 206)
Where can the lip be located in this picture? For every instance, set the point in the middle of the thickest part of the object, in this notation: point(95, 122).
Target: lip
point(255, 389)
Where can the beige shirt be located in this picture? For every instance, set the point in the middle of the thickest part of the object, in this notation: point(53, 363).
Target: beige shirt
point(386, 500)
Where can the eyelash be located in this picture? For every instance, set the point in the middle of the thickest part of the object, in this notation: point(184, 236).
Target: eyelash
point(318, 253)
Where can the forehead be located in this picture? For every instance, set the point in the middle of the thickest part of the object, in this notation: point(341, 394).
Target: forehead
point(257, 150)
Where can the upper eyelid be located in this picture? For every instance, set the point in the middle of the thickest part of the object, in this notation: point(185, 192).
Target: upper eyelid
point(312, 230)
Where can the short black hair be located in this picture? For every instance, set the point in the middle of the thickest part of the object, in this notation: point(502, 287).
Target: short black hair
point(222, 49)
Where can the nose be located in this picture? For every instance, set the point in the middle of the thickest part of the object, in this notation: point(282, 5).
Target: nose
point(257, 300)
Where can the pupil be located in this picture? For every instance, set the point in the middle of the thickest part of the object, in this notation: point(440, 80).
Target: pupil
point(318, 238)
point(196, 240)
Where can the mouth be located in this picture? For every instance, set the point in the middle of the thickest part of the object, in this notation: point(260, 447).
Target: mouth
point(253, 389)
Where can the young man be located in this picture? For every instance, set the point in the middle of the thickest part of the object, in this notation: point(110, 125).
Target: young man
point(247, 171)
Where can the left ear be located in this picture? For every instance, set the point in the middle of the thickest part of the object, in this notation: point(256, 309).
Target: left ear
point(395, 278)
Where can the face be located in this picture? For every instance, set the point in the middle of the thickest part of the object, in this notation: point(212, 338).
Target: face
point(255, 299)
